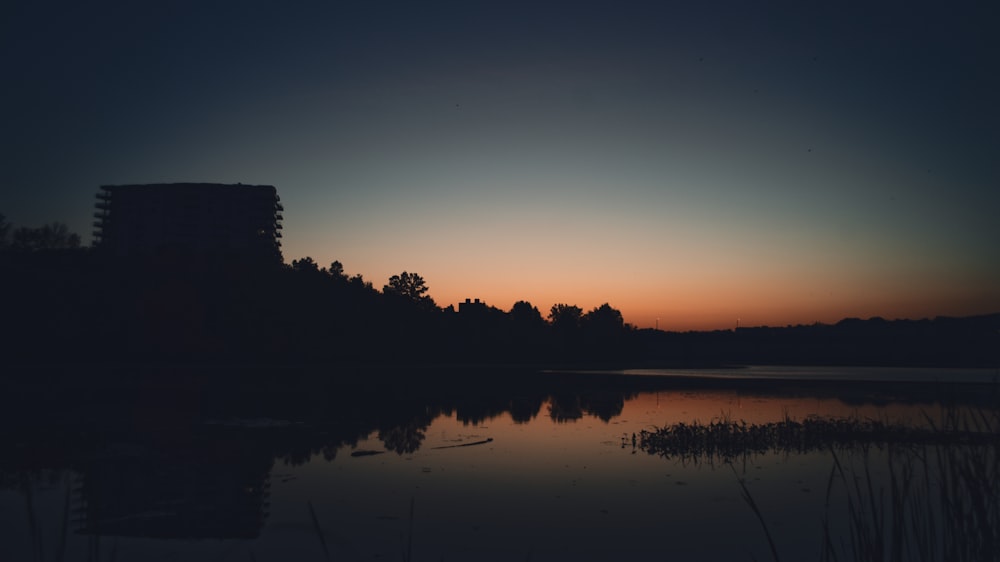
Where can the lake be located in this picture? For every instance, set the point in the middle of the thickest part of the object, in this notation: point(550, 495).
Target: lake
point(539, 467)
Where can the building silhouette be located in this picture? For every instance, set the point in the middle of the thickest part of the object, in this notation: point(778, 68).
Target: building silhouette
point(471, 307)
point(196, 220)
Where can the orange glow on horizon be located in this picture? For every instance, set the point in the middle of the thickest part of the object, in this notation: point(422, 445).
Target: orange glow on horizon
point(699, 299)
point(721, 307)
point(706, 284)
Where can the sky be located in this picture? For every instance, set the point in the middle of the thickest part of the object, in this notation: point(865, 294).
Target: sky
point(694, 164)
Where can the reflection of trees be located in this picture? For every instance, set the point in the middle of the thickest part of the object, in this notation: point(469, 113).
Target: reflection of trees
point(476, 410)
point(604, 406)
point(330, 451)
point(523, 409)
point(566, 407)
point(403, 439)
point(297, 457)
point(297, 448)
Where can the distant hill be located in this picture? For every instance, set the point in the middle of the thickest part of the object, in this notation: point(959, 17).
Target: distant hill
point(972, 341)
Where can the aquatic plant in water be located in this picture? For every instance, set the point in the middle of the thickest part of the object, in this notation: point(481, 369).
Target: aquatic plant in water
point(725, 440)
point(895, 492)
point(937, 501)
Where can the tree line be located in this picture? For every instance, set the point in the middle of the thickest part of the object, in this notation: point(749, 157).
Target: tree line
point(68, 303)
point(53, 236)
point(407, 319)
point(65, 303)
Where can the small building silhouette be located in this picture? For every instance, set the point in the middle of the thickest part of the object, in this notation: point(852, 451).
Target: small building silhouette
point(471, 307)
point(199, 220)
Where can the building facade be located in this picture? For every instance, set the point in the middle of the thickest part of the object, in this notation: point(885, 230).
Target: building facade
point(198, 220)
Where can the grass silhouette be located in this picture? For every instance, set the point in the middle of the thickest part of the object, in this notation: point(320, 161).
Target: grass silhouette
point(895, 492)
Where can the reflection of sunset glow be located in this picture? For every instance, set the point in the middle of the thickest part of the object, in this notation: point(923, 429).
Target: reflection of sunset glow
point(704, 407)
point(653, 409)
point(542, 485)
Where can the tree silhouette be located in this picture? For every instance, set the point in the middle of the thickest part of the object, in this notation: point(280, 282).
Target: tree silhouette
point(565, 317)
point(4, 229)
point(528, 331)
point(603, 331)
point(410, 286)
point(358, 281)
point(604, 320)
point(337, 271)
point(152, 309)
point(304, 265)
point(54, 236)
point(526, 316)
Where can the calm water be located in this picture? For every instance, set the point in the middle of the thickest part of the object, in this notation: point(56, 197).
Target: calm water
point(518, 474)
point(836, 374)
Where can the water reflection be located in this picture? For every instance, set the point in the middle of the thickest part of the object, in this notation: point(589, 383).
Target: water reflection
point(217, 487)
point(567, 406)
point(531, 463)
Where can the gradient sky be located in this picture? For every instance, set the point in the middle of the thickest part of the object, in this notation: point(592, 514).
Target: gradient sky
point(692, 162)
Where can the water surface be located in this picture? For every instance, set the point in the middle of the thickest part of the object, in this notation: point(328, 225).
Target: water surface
point(535, 472)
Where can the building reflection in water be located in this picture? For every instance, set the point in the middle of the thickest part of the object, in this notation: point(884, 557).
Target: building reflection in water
point(198, 494)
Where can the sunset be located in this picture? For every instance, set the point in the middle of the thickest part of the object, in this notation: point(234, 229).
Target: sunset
point(567, 281)
point(696, 164)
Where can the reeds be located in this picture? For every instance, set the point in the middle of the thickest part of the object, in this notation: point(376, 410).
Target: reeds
point(408, 549)
point(318, 529)
point(937, 501)
point(894, 493)
point(724, 440)
point(406, 552)
point(756, 511)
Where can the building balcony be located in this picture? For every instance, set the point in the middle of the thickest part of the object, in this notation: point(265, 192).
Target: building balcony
point(278, 217)
point(105, 205)
point(104, 195)
point(279, 207)
point(98, 224)
point(101, 215)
